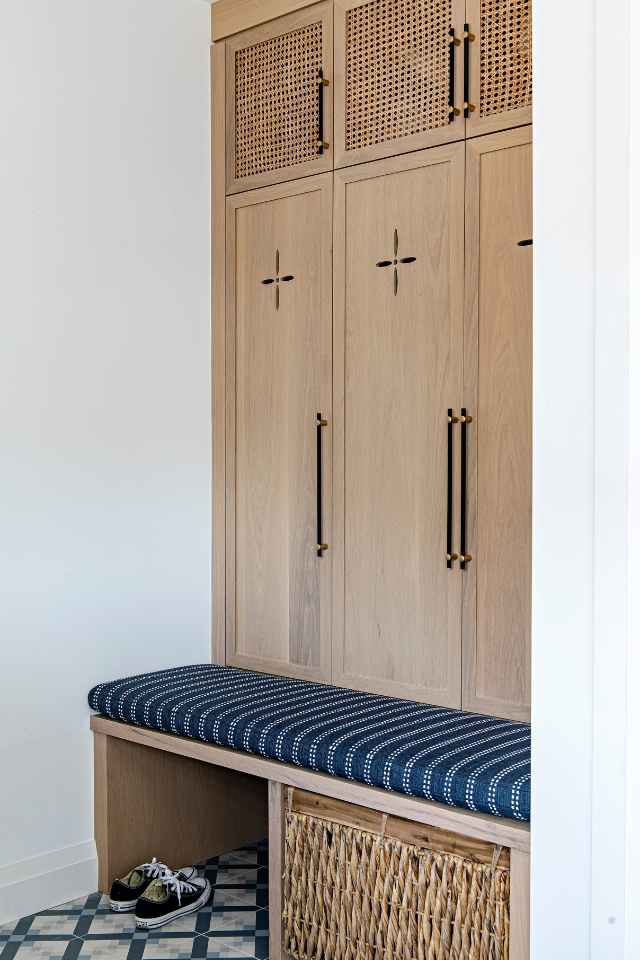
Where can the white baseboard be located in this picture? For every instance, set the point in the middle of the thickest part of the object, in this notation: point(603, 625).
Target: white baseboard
point(47, 880)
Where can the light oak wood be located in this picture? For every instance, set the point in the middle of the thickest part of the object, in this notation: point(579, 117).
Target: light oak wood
point(218, 334)
point(476, 124)
point(278, 379)
point(101, 809)
point(233, 16)
point(498, 368)
point(276, 867)
point(498, 830)
point(318, 13)
point(150, 803)
point(394, 828)
point(397, 370)
point(451, 132)
point(520, 906)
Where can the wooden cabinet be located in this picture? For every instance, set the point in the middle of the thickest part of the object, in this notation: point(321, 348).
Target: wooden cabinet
point(408, 75)
point(398, 331)
point(499, 65)
point(498, 385)
point(278, 368)
point(372, 378)
point(396, 76)
point(280, 99)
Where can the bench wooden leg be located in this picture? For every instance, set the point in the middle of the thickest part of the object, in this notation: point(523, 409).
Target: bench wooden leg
point(277, 798)
point(519, 905)
point(151, 803)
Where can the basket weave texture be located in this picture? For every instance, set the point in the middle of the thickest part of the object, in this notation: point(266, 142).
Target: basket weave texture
point(353, 895)
point(276, 101)
point(396, 70)
point(505, 56)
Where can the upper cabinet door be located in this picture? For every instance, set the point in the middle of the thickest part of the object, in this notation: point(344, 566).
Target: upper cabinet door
point(398, 76)
point(498, 85)
point(280, 100)
point(498, 387)
point(399, 242)
point(278, 429)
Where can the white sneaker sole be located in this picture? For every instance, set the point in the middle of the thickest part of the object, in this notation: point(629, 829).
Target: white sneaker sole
point(122, 906)
point(152, 922)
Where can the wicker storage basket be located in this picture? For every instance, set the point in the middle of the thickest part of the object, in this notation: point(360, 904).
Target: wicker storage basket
point(361, 886)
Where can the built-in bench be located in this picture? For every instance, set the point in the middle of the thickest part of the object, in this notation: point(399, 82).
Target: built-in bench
point(240, 744)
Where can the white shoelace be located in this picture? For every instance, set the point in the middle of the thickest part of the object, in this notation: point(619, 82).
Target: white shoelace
point(174, 884)
point(154, 869)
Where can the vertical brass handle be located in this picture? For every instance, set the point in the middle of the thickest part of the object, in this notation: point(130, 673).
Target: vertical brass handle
point(464, 556)
point(453, 43)
point(322, 83)
point(321, 546)
point(467, 38)
point(450, 422)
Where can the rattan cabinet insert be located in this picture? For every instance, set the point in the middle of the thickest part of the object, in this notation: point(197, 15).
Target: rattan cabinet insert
point(280, 102)
point(499, 65)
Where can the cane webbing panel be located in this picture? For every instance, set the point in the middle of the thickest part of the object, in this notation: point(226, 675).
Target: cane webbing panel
point(505, 56)
point(276, 101)
point(396, 70)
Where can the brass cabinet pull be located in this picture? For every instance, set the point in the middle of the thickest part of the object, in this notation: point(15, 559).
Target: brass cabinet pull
point(321, 546)
point(464, 556)
point(451, 556)
point(467, 37)
point(453, 43)
point(322, 83)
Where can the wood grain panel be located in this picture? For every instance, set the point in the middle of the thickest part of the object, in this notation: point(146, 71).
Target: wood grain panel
point(498, 361)
point(218, 348)
point(141, 810)
point(279, 348)
point(397, 369)
point(233, 16)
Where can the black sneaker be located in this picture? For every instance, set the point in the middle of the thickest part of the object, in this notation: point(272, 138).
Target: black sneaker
point(126, 891)
point(169, 897)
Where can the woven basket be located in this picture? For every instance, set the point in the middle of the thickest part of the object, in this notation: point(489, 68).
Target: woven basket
point(354, 894)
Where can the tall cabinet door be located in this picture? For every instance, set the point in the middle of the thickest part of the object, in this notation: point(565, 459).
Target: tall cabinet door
point(498, 77)
point(398, 333)
point(279, 422)
point(280, 101)
point(398, 76)
point(498, 387)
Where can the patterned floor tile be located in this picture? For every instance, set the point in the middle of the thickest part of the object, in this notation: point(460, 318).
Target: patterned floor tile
point(44, 949)
point(101, 950)
point(241, 886)
point(234, 925)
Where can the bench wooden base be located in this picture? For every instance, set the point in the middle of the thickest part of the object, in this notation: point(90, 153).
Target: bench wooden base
point(142, 778)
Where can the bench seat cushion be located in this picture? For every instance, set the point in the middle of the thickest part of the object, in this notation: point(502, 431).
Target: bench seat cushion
point(462, 759)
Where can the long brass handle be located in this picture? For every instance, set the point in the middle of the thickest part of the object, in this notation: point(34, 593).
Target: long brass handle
point(465, 558)
point(467, 38)
point(322, 83)
point(453, 43)
point(321, 546)
point(450, 555)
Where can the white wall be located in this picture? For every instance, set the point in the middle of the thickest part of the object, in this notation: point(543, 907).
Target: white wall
point(586, 670)
point(104, 395)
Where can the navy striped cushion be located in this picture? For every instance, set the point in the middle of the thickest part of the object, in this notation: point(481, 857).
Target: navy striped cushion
point(463, 759)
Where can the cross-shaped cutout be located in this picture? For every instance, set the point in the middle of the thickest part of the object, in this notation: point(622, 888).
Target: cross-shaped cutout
point(394, 263)
point(277, 280)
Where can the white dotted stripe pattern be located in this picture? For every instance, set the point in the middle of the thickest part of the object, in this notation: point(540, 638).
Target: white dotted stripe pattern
point(449, 756)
